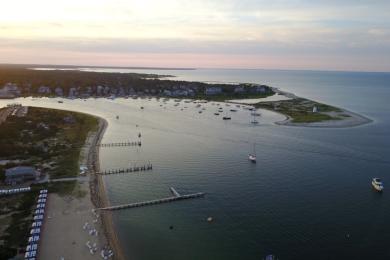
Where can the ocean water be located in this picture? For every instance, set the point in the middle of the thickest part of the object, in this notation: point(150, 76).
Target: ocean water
point(308, 197)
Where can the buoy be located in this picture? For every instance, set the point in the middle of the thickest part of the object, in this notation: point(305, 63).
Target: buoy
point(171, 227)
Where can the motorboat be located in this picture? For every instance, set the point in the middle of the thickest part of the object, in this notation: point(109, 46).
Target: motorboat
point(254, 122)
point(226, 118)
point(252, 156)
point(377, 184)
point(217, 114)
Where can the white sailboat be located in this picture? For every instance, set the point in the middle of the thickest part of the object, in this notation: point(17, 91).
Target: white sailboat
point(252, 156)
point(254, 121)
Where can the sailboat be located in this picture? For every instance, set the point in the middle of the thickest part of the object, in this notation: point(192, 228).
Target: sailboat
point(254, 121)
point(252, 156)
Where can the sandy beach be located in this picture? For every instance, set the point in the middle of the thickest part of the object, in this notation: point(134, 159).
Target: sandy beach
point(71, 227)
point(99, 196)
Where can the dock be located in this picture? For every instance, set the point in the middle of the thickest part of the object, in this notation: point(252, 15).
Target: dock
point(129, 143)
point(176, 197)
point(143, 168)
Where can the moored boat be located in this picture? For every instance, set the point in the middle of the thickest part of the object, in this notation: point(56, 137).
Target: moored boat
point(377, 184)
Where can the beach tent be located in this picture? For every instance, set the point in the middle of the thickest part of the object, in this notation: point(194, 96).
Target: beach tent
point(33, 239)
point(35, 231)
point(38, 217)
point(37, 224)
point(40, 205)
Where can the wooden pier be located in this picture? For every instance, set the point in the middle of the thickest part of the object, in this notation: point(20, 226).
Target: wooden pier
point(142, 168)
point(176, 197)
point(136, 143)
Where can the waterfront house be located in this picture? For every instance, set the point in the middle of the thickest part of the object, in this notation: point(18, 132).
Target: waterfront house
point(44, 90)
point(213, 91)
point(239, 90)
point(10, 90)
point(59, 91)
point(20, 174)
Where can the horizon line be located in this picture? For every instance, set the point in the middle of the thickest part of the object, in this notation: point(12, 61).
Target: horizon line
point(180, 68)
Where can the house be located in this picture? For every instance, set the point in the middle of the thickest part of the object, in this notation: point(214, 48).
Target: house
point(213, 91)
point(59, 91)
point(72, 92)
point(10, 90)
point(315, 109)
point(239, 90)
point(44, 90)
point(20, 174)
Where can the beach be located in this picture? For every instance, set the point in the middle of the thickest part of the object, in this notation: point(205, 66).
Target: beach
point(99, 195)
point(73, 226)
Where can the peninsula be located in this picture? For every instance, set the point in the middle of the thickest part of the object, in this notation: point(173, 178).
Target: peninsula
point(24, 81)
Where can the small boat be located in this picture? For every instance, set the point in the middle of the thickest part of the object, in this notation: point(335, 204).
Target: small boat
point(254, 121)
point(233, 110)
point(252, 156)
point(270, 257)
point(200, 112)
point(226, 118)
point(142, 107)
point(139, 135)
point(217, 114)
point(117, 117)
point(377, 184)
point(60, 101)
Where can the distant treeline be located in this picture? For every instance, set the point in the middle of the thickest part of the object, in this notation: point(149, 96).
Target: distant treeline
point(29, 81)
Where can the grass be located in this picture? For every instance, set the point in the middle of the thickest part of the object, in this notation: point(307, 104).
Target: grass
point(300, 110)
point(23, 139)
point(20, 208)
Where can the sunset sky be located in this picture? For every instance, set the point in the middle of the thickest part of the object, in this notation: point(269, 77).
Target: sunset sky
point(324, 34)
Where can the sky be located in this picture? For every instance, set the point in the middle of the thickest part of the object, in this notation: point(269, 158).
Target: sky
point(352, 35)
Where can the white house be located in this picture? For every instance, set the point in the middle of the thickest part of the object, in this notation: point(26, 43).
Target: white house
point(213, 90)
point(239, 89)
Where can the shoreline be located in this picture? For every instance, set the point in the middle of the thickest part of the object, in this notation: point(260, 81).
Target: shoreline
point(348, 118)
point(98, 192)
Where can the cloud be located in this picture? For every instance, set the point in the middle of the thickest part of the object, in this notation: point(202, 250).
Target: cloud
point(278, 28)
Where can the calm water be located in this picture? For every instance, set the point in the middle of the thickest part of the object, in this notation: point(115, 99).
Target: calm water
point(309, 189)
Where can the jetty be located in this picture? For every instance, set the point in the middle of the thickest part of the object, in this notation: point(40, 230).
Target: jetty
point(143, 168)
point(176, 197)
point(134, 143)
